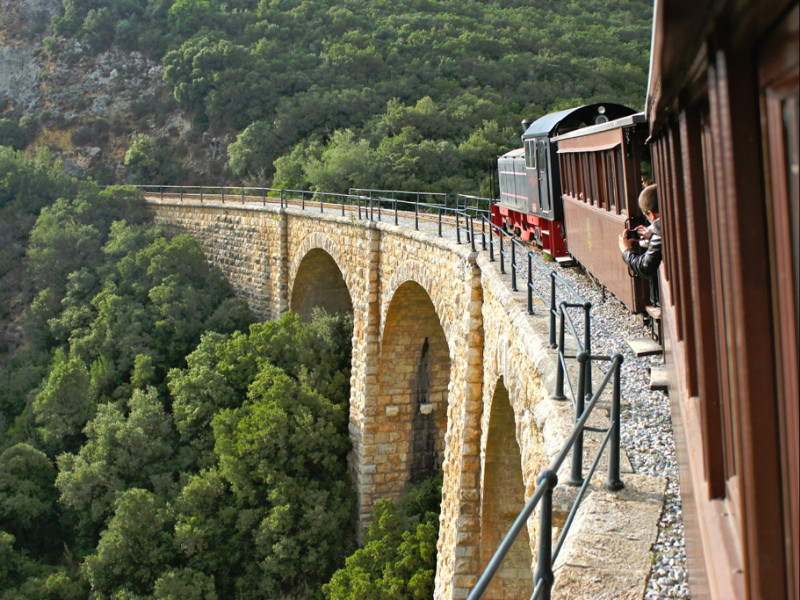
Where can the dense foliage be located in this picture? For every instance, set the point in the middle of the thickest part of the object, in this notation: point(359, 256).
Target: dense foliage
point(405, 94)
point(155, 442)
point(398, 558)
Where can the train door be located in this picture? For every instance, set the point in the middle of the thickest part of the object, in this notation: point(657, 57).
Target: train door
point(532, 172)
point(542, 166)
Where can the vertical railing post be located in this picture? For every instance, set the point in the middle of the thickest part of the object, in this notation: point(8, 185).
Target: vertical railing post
point(614, 482)
point(483, 233)
point(587, 344)
point(513, 266)
point(222, 193)
point(530, 283)
point(491, 244)
point(201, 195)
point(242, 195)
point(544, 560)
point(472, 232)
point(576, 472)
point(559, 393)
point(161, 192)
point(553, 311)
point(440, 221)
point(416, 214)
point(396, 219)
point(458, 229)
point(502, 255)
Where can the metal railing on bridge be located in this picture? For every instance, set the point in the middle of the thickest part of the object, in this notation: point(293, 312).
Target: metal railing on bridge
point(547, 481)
point(456, 214)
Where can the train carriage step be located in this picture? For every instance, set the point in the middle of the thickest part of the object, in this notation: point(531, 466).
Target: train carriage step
point(658, 378)
point(654, 312)
point(565, 261)
point(644, 346)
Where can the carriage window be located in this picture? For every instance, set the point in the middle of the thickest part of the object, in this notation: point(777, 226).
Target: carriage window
point(620, 181)
point(530, 154)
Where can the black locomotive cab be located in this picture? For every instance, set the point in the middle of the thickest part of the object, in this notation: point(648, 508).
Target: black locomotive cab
point(541, 156)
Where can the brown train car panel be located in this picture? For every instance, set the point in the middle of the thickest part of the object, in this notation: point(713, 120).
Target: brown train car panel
point(722, 106)
point(601, 181)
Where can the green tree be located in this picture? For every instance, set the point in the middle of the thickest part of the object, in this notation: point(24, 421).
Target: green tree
point(152, 161)
point(220, 83)
point(290, 168)
point(213, 531)
point(28, 499)
point(254, 150)
point(185, 584)
point(187, 17)
point(121, 452)
point(65, 404)
point(60, 242)
point(98, 27)
point(134, 549)
point(345, 163)
point(17, 135)
point(398, 558)
point(284, 455)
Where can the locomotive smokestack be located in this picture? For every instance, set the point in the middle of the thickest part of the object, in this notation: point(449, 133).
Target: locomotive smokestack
point(525, 124)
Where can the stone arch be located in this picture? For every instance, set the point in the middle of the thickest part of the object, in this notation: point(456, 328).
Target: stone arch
point(415, 271)
point(413, 381)
point(316, 278)
point(502, 499)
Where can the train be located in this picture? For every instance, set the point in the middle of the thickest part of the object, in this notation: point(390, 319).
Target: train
point(720, 125)
point(722, 113)
point(573, 187)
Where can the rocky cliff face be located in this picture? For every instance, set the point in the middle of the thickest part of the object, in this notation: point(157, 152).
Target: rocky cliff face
point(90, 105)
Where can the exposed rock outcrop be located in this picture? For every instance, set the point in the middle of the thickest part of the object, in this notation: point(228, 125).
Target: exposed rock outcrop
point(89, 105)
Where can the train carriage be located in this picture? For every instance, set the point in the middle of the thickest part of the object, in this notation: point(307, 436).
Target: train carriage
point(722, 106)
point(530, 188)
point(600, 183)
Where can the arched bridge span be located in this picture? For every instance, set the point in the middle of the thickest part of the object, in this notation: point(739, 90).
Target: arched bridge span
point(445, 371)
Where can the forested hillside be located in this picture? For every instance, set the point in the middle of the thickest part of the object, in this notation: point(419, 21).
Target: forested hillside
point(403, 94)
point(154, 442)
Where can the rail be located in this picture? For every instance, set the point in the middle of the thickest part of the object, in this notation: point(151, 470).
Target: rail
point(524, 265)
point(449, 200)
point(548, 480)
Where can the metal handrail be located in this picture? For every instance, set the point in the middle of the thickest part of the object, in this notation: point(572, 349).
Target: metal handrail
point(371, 207)
point(548, 480)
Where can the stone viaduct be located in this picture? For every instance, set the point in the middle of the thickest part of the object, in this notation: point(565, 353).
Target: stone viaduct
point(445, 371)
